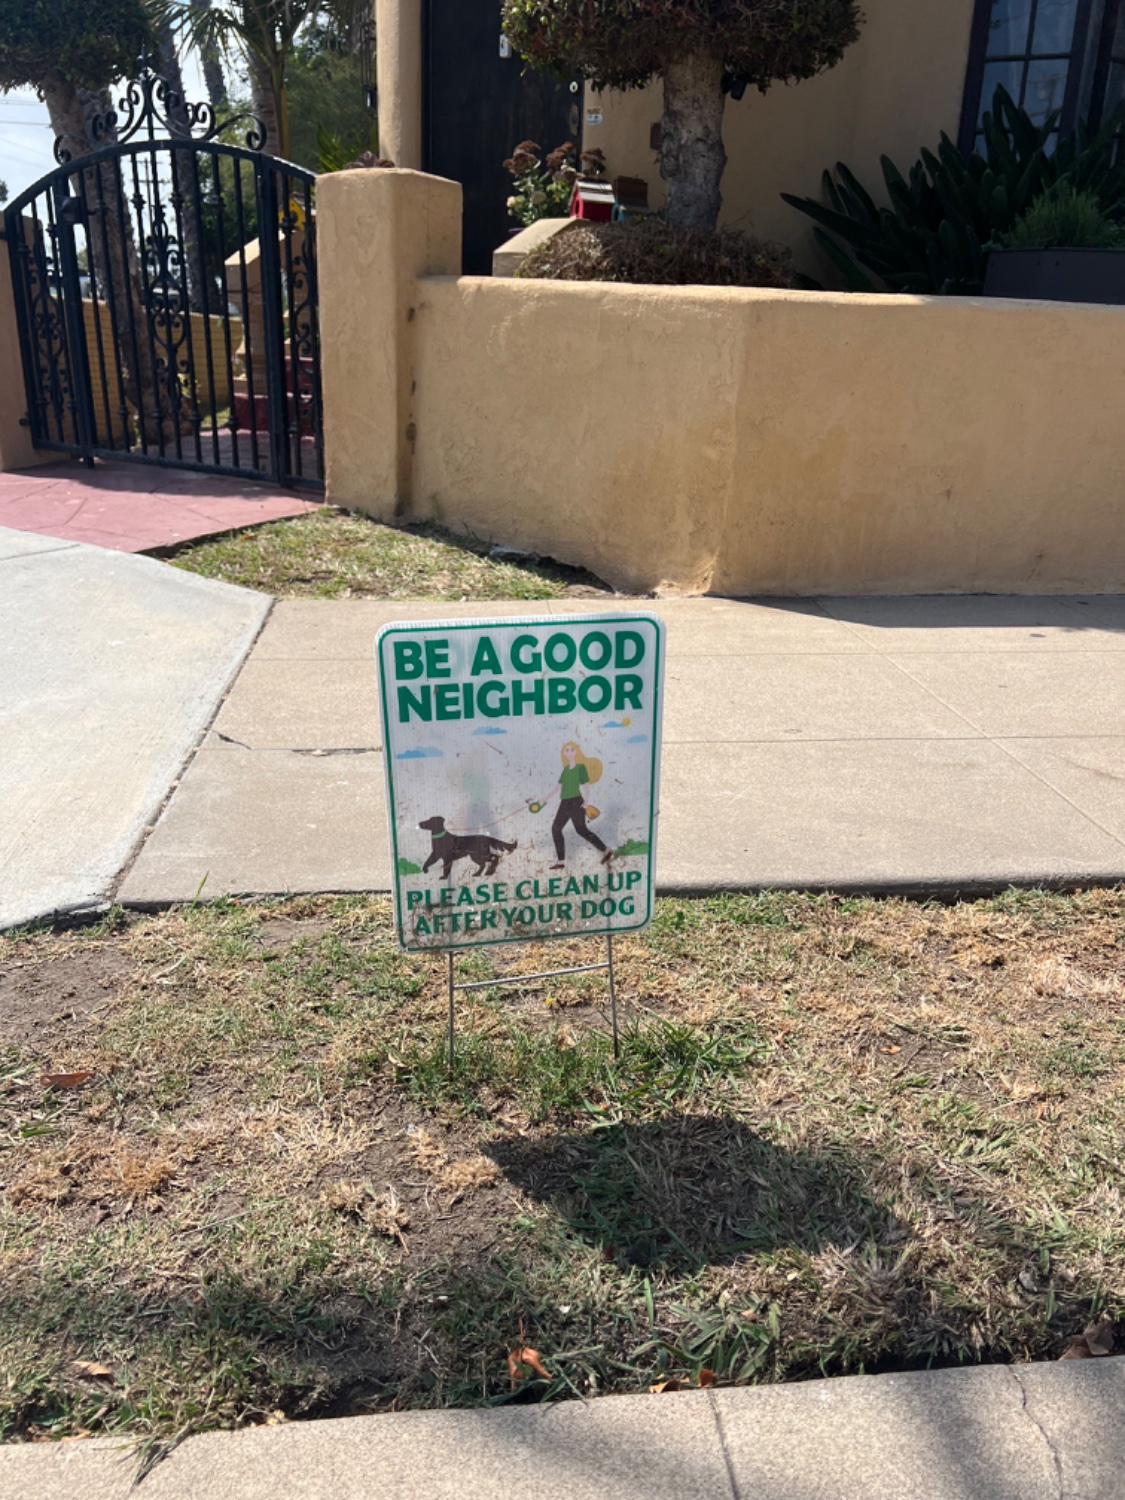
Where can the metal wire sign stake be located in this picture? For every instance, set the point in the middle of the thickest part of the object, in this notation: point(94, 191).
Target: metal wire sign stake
point(522, 763)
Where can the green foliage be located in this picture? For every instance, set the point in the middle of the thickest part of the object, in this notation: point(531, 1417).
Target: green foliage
point(934, 237)
point(542, 189)
point(335, 153)
point(623, 43)
point(1064, 217)
point(89, 45)
point(326, 104)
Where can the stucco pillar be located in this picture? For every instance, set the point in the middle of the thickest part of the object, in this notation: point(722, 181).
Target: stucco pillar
point(16, 451)
point(377, 232)
point(398, 77)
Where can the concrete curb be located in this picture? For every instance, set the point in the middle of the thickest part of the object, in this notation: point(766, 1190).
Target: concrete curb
point(1030, 1432)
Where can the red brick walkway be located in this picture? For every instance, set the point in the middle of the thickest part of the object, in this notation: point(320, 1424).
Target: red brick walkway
point(136, 507)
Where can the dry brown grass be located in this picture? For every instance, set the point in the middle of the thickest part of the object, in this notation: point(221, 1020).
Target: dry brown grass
point(844, 1134)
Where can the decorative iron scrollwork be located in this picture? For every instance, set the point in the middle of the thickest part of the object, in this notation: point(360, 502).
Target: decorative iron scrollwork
point(150, 106)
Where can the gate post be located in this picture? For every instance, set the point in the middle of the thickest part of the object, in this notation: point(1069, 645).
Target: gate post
point(377, 232)
point(16, 448)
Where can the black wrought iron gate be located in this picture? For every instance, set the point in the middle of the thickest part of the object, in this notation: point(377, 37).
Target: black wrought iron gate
point(165, 286)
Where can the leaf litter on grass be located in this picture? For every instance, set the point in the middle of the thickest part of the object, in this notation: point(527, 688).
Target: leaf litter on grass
point(844, 1134)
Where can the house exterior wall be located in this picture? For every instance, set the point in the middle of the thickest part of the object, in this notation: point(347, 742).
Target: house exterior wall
point(895, 90)
point(714, 439)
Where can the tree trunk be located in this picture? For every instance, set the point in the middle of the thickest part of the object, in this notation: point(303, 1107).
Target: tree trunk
point(212, 68)
point(265, 101)
point(692, 156)
point(67, 114)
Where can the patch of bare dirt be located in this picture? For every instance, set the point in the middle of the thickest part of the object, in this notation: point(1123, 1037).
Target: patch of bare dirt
point(39, 996)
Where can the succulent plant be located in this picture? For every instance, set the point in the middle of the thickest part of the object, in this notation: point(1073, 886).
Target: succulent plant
point(934, 235)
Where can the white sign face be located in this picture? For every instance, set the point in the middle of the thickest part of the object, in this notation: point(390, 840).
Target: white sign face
point(523, 772)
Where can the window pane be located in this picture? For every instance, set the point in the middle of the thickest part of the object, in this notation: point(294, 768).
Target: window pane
point(1054, 26)
point(1010, 74)
point(1007, 32)
point(1046, 88)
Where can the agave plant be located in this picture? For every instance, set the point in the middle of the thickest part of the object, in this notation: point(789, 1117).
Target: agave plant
point(935, 234)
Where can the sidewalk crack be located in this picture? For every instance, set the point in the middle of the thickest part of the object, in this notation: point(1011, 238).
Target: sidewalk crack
point(736, 1493)
point(1056, 1457)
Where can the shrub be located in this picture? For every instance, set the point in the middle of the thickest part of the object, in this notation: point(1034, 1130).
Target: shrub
point(657, 253)
point(934, 235)
point(1064, 218)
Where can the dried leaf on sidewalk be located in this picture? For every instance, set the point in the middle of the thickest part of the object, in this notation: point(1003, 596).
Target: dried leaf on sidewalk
point(92, 1369)
point(65, 1080)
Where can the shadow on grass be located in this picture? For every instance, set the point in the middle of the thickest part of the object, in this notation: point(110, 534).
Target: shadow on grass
point(528, 562)
point(695, 1191)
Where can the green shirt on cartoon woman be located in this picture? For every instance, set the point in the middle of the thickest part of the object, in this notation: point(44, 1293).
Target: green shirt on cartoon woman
point(573, 779)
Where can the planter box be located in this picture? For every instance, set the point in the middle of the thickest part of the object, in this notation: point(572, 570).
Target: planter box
point(1057, 275)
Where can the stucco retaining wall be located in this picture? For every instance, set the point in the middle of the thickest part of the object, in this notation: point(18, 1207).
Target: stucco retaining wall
point(711, 439)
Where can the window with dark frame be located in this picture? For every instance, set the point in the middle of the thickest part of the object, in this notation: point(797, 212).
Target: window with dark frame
point(1064, 55)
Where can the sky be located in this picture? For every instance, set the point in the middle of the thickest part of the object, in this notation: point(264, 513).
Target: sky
point(25, 133)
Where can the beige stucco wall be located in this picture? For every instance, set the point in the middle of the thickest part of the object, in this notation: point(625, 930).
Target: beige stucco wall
point(376, 231)
point(755, 442)
point(707, 438)
point(895, 90)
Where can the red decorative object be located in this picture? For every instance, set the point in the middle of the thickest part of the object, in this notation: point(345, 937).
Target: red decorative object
point(592, 200)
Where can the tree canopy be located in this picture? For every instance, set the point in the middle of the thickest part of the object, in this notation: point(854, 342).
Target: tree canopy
point(90, 44)
point(622, 43)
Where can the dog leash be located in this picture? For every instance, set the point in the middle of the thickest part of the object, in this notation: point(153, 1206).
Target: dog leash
point(529, 805)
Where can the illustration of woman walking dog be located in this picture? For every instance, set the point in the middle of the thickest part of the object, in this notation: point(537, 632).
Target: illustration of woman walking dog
point(578, 771)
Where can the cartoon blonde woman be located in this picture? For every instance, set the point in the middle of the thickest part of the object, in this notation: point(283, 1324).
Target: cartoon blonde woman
point(577, 772)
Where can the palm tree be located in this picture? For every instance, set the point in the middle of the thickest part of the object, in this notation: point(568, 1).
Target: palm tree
point(262, 33)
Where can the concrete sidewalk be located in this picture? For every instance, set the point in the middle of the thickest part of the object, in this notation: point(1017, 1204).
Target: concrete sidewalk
point(1017, 1432)
point(111, 666)
point(914, 744)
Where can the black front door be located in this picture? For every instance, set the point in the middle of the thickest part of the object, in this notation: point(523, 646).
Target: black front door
point(477, 105)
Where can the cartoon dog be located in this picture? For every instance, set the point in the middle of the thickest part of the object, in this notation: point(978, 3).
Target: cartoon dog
point(448, 847)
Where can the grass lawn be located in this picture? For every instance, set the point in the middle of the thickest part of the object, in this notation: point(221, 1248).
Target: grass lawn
point(844, 1134)
point(331, 554)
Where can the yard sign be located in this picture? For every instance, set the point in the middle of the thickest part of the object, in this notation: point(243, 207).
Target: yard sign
point(523, 772)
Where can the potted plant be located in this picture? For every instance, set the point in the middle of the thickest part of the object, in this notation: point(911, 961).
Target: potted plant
point(1064, 248)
